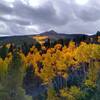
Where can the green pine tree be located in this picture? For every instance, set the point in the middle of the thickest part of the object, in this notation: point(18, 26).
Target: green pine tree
point(12, 88)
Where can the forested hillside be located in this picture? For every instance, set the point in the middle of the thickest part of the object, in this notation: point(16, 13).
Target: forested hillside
point(62, 72)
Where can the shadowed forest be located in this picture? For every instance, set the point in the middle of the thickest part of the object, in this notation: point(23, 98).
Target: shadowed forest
point(42, 72)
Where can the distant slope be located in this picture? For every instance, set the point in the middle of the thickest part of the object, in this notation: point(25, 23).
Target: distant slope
point(31, 39)
point(55, 36)
point(17, 40)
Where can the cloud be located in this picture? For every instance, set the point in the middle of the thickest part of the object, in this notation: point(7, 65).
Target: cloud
point(4, 29)
point(80, 27)
point(87, 13)
point(24, 17)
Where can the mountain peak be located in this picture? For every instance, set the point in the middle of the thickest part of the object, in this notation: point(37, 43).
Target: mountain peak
point(51, 32)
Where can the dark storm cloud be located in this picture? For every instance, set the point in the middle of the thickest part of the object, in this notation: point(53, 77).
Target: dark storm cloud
point(61, 15)
point(42, 15)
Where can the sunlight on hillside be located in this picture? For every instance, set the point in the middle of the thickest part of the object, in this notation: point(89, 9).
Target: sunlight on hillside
point(40, 39)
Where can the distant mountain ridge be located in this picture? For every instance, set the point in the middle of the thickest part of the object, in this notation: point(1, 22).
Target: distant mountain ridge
point(51, 32)
point(52, 35)
point(55, 36)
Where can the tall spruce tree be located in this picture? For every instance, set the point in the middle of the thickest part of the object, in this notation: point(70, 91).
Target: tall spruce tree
point(3, 51)
point(13, 83)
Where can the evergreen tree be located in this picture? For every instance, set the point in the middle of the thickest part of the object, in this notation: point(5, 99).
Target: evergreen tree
point(3, 52)
point(38, 46)
point(12, 89)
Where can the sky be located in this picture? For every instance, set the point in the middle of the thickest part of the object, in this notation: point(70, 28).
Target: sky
point(21, 17)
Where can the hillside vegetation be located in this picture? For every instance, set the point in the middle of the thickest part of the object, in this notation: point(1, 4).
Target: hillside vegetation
point(62, 72)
